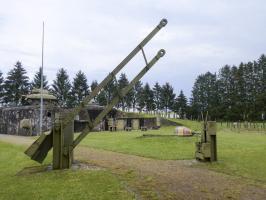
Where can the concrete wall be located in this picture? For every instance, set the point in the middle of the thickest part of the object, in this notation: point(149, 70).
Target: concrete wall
point(10, 119)
point(137, 123)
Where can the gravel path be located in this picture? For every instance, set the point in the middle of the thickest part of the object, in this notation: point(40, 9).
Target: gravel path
point(170, 179)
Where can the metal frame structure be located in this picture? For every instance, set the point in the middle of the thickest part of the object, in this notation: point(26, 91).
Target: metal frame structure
point(206, 149)
point(61, 137)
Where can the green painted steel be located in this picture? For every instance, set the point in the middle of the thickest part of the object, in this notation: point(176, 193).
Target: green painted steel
point(61, 135)
point(111, 76)
point(116, 99)
point(206, 149)
point(62, 144)
point(40, 148)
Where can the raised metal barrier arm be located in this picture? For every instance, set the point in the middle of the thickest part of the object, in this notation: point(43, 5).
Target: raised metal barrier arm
point(109, 78)
point(116, 99)
point(39, 149)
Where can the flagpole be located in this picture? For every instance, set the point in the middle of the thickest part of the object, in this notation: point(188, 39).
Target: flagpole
point(41, 106)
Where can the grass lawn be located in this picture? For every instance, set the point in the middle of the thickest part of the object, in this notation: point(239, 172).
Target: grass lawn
point(241, 154)
point(65, 184)
point(164, 148)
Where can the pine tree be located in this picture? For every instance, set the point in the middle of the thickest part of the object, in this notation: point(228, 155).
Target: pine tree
point(167, 97)
point(36, 83)
point(80, 88)
point(157, 96)
point(204, 95)
point(225, 92)
point(94, 84)
point(180, 106)
point(241, 93)
point(126, 101)
point(16, 85)
point(110, 91)
point(249, 80)
point(1, 88)
point(141, 100)
point(261, 96)
point(61, 88)
point(101, 98)
point(136, 95)
point(147, 99)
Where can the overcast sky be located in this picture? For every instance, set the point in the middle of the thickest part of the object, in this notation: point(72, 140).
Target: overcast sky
point(94, 36)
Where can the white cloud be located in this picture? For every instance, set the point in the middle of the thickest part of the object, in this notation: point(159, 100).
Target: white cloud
point(95, 36)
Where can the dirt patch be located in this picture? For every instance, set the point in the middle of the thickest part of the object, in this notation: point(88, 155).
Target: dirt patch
point(158, 179)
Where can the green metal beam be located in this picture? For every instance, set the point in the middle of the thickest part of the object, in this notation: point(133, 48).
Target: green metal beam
point(116, 99)
point(109, 78)
point(39, 149)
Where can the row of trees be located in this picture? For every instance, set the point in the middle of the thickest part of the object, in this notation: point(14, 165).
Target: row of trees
point(142, 97)
point(235, 93)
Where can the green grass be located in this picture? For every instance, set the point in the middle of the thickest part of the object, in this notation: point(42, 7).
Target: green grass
point(241, 154)
point(164, 148)
point(65, 184)
point(194, 125)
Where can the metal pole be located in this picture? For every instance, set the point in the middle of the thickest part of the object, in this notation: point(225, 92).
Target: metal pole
point(41, 107)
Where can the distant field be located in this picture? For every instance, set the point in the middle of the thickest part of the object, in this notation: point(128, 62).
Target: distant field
point(242, 154)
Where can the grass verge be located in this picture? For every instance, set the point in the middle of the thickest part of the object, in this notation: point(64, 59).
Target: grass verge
point(58, 184)
point(242, 154)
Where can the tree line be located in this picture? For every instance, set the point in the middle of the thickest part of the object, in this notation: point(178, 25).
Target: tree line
point(142, 98)
point(234, 93)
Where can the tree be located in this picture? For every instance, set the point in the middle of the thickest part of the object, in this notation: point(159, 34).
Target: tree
point(36, 83)
point(180, 106)
point(157, 96)
point(80, 88)
point(110, 91)
point(94, 84)
point(126, 101)
point(237, 93)
point(204, 95)
point(136, 95)
point(1, 88)
point(167, 97)
point(101, 97)
point(147, 100)
point(240, 96)
point(61, 88)
point(16, 85)
point(261, 95)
